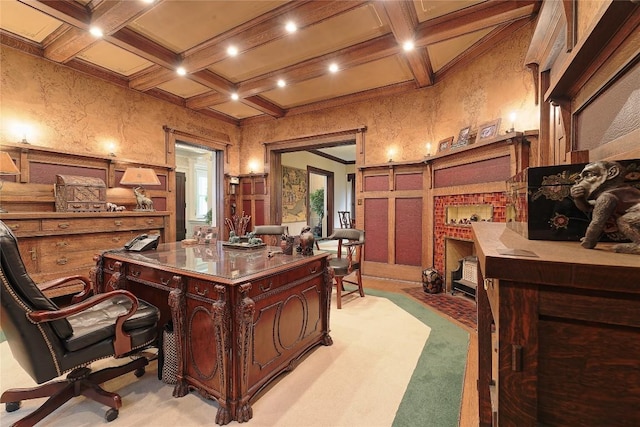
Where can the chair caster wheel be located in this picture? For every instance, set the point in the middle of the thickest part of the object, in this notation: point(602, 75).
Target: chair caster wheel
point(12, 406)
point(139, 372)
point(111, 415)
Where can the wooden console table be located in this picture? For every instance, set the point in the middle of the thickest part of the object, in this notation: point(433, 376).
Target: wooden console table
point(55, 244)
point(566, 346)
point(240, 317)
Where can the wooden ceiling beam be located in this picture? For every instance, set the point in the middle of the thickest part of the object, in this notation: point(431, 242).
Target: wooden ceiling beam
point(472, 19)
point(261, 30)
point(264, 29)
point(137, 44)
point(263, 105)
point(151, 77)
point(109, 16)
point(403, 21)
point(205, 100)
point(362, 53)
point(214, 81)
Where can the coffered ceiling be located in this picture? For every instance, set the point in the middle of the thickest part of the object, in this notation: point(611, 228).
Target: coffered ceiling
point(145, 42)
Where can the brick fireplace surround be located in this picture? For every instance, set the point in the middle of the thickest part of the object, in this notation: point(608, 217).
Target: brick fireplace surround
point(443, 231)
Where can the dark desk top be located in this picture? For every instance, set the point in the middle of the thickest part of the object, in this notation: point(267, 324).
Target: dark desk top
point(225, 264)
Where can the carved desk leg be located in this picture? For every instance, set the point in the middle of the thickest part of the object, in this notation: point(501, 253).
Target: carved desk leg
point(220, 315)
point(117, 280)
point(178, 304)
point(244, 322)
point(328, 288)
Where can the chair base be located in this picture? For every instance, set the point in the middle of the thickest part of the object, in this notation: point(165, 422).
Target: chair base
point(80, 381)
point(340, 281)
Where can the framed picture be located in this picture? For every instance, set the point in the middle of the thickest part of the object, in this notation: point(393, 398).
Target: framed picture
point(205, 235)
point(463, 138)
point(488, 130)
point(445, 144)
point(294, 194)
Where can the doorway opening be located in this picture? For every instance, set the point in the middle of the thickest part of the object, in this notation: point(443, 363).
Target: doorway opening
point(199, 181)
point(320, 184)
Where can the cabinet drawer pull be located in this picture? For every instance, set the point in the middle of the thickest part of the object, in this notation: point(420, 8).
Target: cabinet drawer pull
point(313, 270)
point(266, 288)
point(14, 227)
point(151, 221)
point(34, 254)
point(202, 293)
point(135, 273)
point(63, 225)
point(117, 223)
point(166, 281)
point(516, 358)
point(62, 261)
point(115, 239)
point(62, 244)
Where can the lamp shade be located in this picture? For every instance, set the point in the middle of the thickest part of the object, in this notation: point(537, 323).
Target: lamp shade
point(139, 176)
point(7, 167)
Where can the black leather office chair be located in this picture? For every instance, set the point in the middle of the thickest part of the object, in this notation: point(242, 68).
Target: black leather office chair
point(347, 261)
point(48, 341)
point(271, 234)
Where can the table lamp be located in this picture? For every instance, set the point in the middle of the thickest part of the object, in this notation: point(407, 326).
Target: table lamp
point(139, 177)
point(7, 167)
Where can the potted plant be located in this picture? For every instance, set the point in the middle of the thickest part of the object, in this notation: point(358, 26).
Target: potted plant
point(317, 206)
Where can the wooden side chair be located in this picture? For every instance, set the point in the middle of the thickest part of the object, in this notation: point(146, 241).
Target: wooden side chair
point(347, 261)
point(48, 341)
point(271, 234)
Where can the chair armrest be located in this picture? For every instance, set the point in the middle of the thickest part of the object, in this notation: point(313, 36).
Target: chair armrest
point(122, 340)
point(354, 243)
point(57, 283)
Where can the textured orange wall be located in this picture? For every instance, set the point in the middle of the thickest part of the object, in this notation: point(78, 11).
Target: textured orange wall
point(490, 87)
point(70, 111)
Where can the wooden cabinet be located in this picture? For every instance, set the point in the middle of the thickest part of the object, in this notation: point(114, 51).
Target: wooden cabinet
point(56, 244)
point(558, 332)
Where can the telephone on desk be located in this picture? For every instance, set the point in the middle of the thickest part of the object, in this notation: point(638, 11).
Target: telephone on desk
point(143, 242)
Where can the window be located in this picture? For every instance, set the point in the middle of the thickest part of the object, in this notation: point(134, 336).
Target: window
point(202, 192)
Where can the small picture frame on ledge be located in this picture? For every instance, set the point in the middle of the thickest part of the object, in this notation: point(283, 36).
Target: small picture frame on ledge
point(205, 235)
point(488, 130)
point(444, 144)
point(463, 138)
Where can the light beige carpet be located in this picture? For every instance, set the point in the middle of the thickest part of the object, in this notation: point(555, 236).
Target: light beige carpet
point(358, 381)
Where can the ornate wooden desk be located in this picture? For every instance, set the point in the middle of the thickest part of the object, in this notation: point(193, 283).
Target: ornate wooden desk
point(240, 317)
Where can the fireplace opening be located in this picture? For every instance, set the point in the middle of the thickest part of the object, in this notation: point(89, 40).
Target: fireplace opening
point(454, 251)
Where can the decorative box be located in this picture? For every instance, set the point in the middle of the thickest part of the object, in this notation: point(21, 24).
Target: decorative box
point(80, 194)
point(539, 205)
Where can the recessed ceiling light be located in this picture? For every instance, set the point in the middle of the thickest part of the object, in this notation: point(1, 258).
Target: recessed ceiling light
point(333, 68)
point(148, 1)
point(408, 45)
point(234, 96)
point(232, 50)
point(181, 71)
point(291, 27)
point(281, 83)
point(96, 32)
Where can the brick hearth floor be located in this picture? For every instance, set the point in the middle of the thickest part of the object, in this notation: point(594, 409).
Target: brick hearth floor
point(457, 307)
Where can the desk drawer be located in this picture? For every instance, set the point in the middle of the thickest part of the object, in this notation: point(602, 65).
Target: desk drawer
point(158, 277)
point(304, 271)
point(20, 227)
point(148, 222)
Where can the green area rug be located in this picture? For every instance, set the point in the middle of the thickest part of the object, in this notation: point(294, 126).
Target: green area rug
point(434, 393)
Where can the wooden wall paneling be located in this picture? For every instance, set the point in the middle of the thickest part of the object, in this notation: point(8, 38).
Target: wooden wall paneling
point(408, 226)
point(376, 223)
